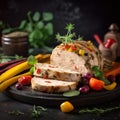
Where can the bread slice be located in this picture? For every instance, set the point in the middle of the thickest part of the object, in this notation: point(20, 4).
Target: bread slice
point(52, 86)
point(45, 70)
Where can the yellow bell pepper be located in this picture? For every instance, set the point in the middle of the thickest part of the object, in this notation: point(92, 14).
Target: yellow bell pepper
point(70, 49)
point(81, 52)
point(66, 107)
point(111, 86)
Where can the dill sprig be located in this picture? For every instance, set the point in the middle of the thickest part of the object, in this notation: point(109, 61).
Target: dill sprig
point(68, 38)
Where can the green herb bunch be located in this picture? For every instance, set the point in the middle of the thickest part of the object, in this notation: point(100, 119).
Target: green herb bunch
point(69, 37)
point(39, 27)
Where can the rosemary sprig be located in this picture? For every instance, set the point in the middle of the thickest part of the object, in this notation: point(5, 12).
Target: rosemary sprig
point(99, 110)
point(68, 38)
point(16, 112)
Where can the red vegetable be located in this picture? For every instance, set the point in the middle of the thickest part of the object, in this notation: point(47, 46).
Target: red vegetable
point(114, 71)
point(73, 47)
point(67, 46)
point(38, 71)
point(96, 84)
point(25, 80)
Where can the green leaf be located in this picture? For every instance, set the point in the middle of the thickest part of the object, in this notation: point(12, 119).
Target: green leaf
point(69, 36)
point(7, 30)
point(69, 27)
point(80, 38)
point(49, 27)
point(71, 93)
point(29, 27)
point(36, 35)
point(32, 70)
point(36, 16)
point(23, 24)
point(31, 60)
point(99, 74)
point(40, 25)
point(47, 16)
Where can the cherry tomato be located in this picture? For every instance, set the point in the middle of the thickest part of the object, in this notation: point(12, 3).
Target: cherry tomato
point(96, 84)
point(66, 107)
point(25, 80)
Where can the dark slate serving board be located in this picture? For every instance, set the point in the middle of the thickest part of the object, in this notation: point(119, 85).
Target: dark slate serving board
point(27, 95)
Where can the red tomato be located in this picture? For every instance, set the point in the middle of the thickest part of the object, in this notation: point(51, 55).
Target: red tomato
point(67, 46)
point(96, 84)
point(25, 80)
point(38, 71)
point(73, 47)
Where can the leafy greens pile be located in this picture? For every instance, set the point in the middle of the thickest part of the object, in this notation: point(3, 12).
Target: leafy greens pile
point(39, 27)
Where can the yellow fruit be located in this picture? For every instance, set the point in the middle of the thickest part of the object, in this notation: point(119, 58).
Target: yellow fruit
point(66, 107)
point(111, 86)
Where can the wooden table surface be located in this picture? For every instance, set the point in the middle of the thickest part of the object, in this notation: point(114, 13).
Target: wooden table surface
point(8, 105)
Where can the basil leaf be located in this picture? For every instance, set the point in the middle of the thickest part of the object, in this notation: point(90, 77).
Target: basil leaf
point(32, 60)
point(29, 27)
point(36, 35)
point(40, 25)
point(47, 16)
point(23, 24)
point(49, 27)
point(7, 30)
point(36, 16)
point(71, 93)
point(32, 70)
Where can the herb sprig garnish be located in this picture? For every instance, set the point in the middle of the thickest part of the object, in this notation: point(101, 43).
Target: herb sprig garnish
point(69, 37)
point(100, 74)
point(16, 112)
point(98, 110)
point(37, 111)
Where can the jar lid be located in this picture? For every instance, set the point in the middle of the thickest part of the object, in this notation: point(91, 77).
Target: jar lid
point(16, 34)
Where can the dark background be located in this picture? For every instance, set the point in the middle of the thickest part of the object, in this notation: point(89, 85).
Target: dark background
point(89, 16)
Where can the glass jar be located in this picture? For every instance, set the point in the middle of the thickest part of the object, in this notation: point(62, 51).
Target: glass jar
point(15, 43)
